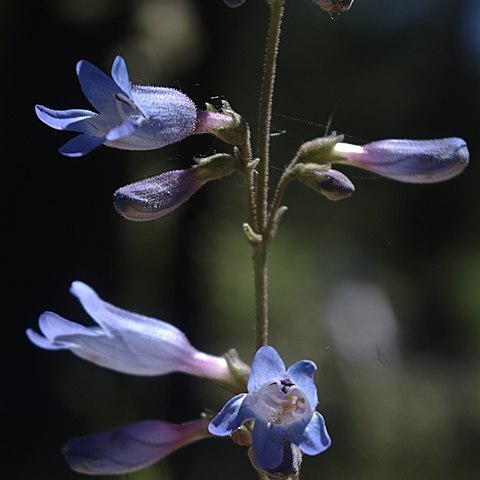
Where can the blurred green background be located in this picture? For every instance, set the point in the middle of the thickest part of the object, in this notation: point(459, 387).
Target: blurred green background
point(381, 290)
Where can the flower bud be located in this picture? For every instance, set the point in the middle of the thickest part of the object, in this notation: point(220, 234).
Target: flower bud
point(158, 196)
point(411, 161)
point(330, 183)
point(335, 6)
point(234, 3)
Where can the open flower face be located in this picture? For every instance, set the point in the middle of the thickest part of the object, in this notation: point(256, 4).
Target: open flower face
point(282, 403)
point(130, 117)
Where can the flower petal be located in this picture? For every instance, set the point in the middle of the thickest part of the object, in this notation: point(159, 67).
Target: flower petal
point(315, 437)
point(123, 130)
point(98, 87)
point(80, 145)
point(230, 417)
point(120, 75)
point(131, 447)
point(73, 120)
point(267, 442)
point(267, 365)
point(301, 373)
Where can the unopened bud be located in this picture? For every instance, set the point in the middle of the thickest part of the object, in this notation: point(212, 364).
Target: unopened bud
point(158, 196)
point(234, 3)
point(411, 161)
point(332, 184)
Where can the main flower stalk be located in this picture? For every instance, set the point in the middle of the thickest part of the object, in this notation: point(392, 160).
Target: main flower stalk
point(264, 126)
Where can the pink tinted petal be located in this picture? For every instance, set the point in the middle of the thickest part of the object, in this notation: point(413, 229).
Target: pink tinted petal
point(131, 447)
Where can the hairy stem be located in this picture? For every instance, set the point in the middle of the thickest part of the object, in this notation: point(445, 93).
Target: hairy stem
point(259, 253)
point(265, 108)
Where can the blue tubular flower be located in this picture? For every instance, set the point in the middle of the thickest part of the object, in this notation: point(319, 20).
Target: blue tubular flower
point(282, 404)
point(130, 117)
point(411, 161)
point(131, 447)
point(127, 342)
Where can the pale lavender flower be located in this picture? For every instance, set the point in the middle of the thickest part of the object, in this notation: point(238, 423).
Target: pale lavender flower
point(411, 161)
point(130, 117)
point(282, 404)
point(131, 447)
point(127, 342)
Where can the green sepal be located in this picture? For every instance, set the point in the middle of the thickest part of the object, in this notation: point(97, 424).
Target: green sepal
point(238, 132)
point(240, 371)
point(252, 237)
point(216, 166)
point(320, 150)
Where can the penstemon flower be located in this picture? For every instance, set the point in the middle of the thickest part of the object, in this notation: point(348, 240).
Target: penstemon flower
point(411, 161)
point(131, 447)
point(127, 342)
point(130, 117)
point(282, 405)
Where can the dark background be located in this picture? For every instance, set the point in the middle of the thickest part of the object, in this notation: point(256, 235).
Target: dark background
point(380, 290)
